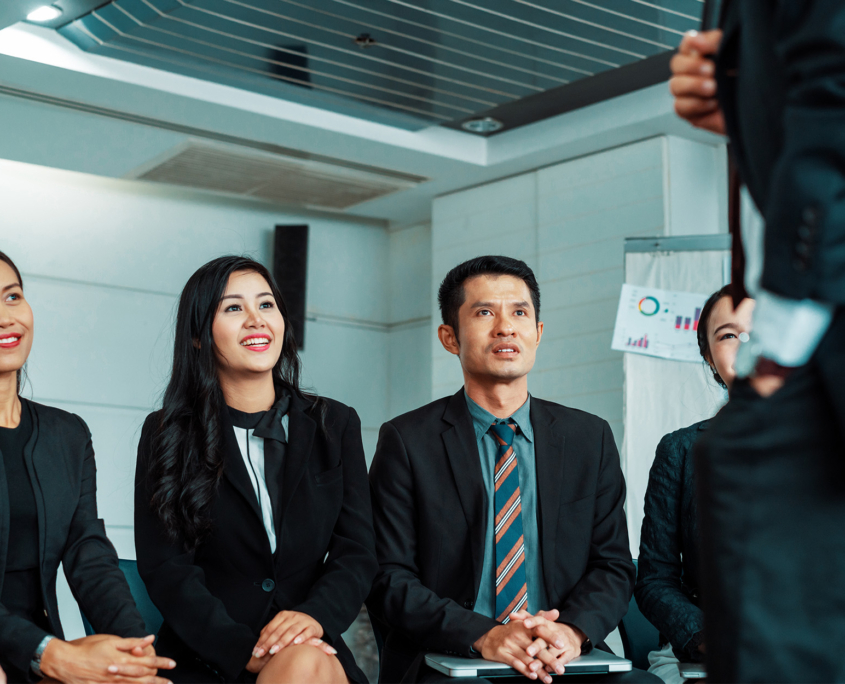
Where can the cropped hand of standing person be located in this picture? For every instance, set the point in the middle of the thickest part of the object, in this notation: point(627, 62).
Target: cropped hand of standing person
point(693, 81)
point(103, 658)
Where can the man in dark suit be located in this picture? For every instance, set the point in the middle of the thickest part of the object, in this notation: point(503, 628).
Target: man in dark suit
point(499, 517)
point(771, 469)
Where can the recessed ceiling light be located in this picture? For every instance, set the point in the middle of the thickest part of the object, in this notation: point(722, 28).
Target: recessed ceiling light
point(484, 125)
point(44, 13)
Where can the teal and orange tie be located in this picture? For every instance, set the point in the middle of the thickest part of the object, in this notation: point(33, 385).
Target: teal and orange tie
point(511, 586)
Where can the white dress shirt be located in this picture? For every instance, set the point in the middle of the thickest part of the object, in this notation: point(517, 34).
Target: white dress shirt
point(252, 451)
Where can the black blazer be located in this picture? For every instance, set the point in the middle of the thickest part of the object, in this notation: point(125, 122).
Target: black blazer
point(781, 83)
point(667, 587)
point(215, 600)
point(60, 460)
point(430, 512)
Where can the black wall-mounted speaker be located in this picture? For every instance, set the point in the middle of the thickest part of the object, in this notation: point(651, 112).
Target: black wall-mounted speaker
point(290, 269)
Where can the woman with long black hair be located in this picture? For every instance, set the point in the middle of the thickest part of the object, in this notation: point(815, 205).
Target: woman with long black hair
point(48, 516)
point(253, 524)
point(668, 588)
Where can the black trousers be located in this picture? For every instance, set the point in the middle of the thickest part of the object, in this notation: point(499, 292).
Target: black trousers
point(771, 501)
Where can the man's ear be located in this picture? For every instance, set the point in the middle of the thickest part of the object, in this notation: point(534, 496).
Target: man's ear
point(448, 339)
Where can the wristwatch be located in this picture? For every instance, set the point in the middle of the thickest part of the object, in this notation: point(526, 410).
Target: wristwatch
point(35, 663)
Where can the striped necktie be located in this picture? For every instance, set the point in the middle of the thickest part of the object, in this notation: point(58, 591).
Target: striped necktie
point(511, 586)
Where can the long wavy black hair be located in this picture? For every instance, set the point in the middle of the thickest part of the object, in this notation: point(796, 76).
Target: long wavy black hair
point(186, 461)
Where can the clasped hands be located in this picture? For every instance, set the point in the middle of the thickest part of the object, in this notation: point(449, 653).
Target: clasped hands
point(534, 645)
point(104, 658)
point(288, 628)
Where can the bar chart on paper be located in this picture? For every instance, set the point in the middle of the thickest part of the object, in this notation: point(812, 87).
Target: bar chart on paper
point(660, 323)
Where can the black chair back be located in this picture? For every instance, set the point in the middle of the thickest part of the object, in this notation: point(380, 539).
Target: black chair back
point(639, 636)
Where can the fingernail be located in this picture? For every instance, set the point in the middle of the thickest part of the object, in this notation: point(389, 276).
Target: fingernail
point(707, 68)
point(274, 650)
point(333, 650)
point(692, 33)
point(172, 663)
point(709, 86)
point(113, 669)
point(298, 640)
point(559, 644)
point(258, 652)
point(530, 651)
point(529, 624)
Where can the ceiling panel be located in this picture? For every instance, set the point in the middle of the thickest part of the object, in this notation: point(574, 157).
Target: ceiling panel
point(410, 63)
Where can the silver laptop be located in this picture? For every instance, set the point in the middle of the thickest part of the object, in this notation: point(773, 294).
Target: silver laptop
point(692, 670)
point(594, 662)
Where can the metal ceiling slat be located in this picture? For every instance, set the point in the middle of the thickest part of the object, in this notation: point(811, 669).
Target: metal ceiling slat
point(586, 22)
point(288, 79)
point(266, 60)
point(440, 46)
point(549, 29)
point(313, 58)
point(490, 46)
point(511, 36)
point(388, 46)
point(666, 9)
point(607, 10)
point(357, 54)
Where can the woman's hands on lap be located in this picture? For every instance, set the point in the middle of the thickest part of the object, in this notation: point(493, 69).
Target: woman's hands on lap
point(104, 658)
point(288, 627)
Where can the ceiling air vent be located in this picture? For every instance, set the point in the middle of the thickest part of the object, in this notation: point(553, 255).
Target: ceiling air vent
point(321, 183)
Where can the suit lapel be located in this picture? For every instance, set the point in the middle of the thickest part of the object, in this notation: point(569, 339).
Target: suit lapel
point(234, 468)
point(549, 459)
point(462, 450)
point(49, 481)
point(302, 429)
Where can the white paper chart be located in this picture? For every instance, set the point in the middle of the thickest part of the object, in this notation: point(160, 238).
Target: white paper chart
point(660, 323)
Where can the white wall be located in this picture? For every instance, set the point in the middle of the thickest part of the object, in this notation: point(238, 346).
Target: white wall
point(569, 222)
point(104, 261)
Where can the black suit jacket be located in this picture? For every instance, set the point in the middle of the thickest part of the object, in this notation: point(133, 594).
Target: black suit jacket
point(781, 82)
point(668, 586)
point(430, 512)
point(215, 600)
point(60, 460)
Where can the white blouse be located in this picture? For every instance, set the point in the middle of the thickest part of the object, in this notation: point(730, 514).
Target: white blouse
point(252, 451)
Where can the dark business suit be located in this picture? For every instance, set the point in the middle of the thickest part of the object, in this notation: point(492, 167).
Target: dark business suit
point(430, 511)
point(60, 461)
point(215, 600)
point(667, 587)
point(771, 472)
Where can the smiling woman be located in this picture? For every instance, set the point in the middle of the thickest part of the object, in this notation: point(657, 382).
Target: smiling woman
point(48, 487)
point(252, 514)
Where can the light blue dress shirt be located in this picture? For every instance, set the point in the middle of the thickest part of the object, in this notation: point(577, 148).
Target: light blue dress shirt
point(488, 450)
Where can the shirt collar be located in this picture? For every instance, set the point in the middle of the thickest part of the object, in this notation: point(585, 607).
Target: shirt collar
point(482, 419)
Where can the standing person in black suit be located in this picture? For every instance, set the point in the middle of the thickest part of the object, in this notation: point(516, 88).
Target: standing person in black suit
point(668, 578)
point(771, 469)
point(48, 516)
point(499, 517)
point(252, 512)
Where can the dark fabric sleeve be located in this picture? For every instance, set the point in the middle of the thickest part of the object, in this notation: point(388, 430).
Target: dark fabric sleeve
point(661, 595)
point(91, 566)
point(18, 639)
point(177, 586)
point(337, 596)
point(805, 212)
point(399, 598)
point(599, 601)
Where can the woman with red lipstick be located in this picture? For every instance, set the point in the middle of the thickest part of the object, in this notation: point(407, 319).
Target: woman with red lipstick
point(48, 516)
point(252, 512)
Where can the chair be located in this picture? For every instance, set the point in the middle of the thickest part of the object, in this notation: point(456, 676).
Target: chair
point(639, 636)
point(152, 618)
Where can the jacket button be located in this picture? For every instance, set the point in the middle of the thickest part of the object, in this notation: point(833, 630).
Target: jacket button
point(802, 249)
point(805, 232)
point(268, 585)
point(800, 264)
point(468, 604)
point(810, 215)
